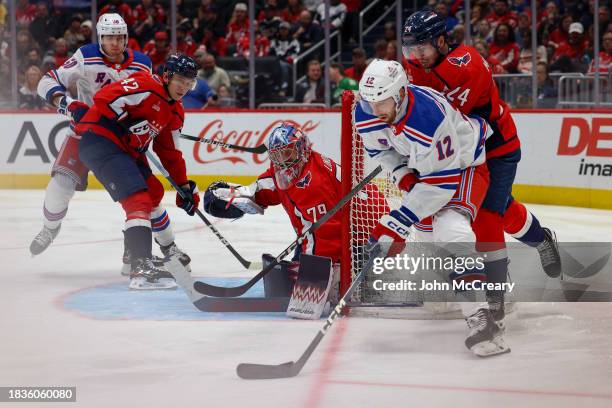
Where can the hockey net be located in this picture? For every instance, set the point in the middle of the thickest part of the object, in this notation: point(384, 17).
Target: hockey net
point(360, 217)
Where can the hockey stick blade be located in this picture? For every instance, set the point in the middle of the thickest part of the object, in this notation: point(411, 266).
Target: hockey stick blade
point(249, 371)
point(257, 149)
point(217, 291)
point(164, 172)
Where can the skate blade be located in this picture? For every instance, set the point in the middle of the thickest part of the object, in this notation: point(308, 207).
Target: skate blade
point(491, 348)
point(162, 284)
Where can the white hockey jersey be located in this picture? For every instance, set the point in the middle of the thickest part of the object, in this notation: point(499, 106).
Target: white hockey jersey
point(433, 140)
point(89, 71)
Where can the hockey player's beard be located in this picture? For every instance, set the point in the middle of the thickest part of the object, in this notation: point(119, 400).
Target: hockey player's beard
point(388, 118)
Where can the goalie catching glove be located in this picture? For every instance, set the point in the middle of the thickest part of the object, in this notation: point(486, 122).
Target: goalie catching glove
point(225, 200)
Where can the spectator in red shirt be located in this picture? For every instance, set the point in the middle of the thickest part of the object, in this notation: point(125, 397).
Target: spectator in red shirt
point(360, 63)
point(569, 56)
point(505, 48)
point(149, 8)
point(262, 44)
point(148, 22)
point(158, 49)
point(213, 44)
point(184, 43)
point(605, 56)
point(24, 13)
point(60, 55)
point(560, 34)
point(502, 14)
point(238, 25)
point(119, 7)
point(483, 49)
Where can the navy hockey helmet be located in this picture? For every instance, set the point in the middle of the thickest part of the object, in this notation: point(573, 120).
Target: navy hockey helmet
point(422, 27)
point(181, 65)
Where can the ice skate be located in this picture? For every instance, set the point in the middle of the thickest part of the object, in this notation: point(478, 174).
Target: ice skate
point(43, 239)
point(147, 275)
point(484, 337)
point(549, 254)
point(173, 250)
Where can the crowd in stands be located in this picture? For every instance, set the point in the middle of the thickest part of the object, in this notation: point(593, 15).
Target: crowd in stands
point(48, 33)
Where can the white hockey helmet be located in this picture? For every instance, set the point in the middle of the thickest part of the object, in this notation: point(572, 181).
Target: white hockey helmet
point(382, 80)
point(111, 24)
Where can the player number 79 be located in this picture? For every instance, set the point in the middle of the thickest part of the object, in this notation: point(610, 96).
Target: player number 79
point(317, 209)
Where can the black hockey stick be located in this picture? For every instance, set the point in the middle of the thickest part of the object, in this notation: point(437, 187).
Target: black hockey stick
point(257, 149)
point(217, 291)
point(164, 172)
point(250, 371)
point(217, 305)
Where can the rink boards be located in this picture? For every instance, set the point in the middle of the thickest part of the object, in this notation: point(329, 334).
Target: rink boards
point(566, 155)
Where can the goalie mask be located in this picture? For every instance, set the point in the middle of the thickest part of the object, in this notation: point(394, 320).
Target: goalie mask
point(289, 150)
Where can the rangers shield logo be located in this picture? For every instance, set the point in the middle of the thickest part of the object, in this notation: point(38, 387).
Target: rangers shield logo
point(460, 61)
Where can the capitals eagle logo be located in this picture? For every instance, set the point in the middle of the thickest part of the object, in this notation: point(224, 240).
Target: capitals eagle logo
point(304, 181)
point(460, 61)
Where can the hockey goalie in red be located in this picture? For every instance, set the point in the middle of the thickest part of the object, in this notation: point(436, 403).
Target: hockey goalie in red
point(127, 117)
point(307, 185)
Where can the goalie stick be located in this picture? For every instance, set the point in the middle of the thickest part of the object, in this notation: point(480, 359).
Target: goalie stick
point(249, 371)
point(217, 291)
point(257, 149)
point(164, 172)
point(218, 305)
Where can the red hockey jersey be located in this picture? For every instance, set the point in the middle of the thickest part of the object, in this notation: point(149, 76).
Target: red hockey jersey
point(466, 80)
point(141, 97)
point(315, 191)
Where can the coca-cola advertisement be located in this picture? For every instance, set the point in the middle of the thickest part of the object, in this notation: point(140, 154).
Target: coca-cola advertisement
point(250, 130)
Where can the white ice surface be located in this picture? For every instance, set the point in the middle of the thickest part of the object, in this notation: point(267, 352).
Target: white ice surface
point(561, 353)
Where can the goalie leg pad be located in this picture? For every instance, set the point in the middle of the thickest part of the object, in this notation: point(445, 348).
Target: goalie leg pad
point(312, 288)
point(279, 282)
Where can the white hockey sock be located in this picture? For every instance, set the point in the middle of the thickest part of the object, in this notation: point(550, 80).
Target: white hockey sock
point(162, 229)
point(60, 191)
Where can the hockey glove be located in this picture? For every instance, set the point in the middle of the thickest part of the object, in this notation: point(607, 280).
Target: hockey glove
point(74, 109)
point(224, 200)
point(190, 199)
point(389, 237)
